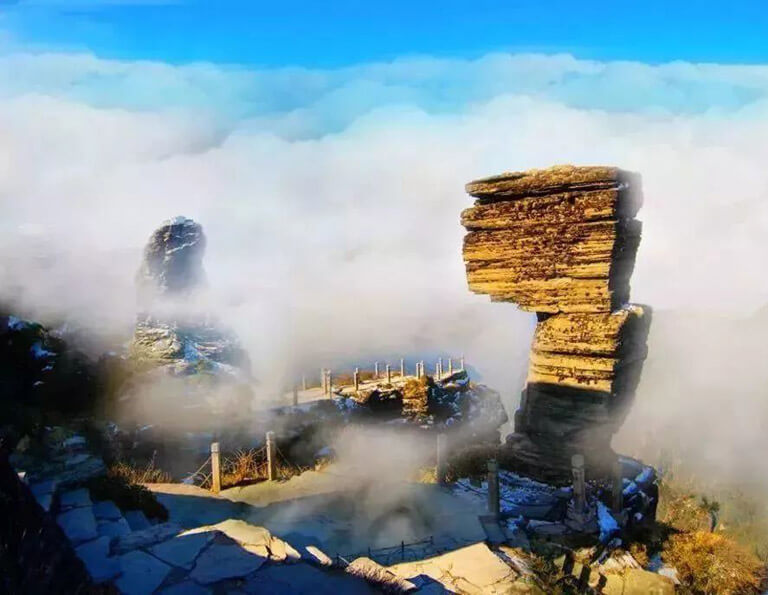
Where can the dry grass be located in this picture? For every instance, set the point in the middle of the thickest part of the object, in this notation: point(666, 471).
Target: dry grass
point(713, 563)
point(137, 474)
point(639, 551)
point(243, 466)
point(250, 466)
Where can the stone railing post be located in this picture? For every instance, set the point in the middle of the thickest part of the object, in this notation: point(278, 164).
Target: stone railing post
point(617, 491)
point(295, 395)
point(357, 378)
point(402, 368)
point(440, 467)
point(461, 363)
point(271, 456)
point(389, 374)
point(376, 370)
point(450, 366)
point(322, 380)
point(303, 382)
point(493, 488)
point(329, 382)
point(579, 485)
point(215, 468)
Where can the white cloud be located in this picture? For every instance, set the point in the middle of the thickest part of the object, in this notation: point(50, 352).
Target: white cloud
point(331, 198)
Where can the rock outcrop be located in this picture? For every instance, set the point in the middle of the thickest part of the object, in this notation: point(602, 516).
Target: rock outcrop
point(556, 240)
point(41, 373)
point(453, 403)
point(561, 242)
point(176, 338)
point(173, 262)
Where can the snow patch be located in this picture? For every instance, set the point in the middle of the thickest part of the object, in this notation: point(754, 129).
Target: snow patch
point(608, 525)
point(39, 352)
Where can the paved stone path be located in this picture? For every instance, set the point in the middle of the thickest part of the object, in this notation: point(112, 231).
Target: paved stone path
point(140, 556)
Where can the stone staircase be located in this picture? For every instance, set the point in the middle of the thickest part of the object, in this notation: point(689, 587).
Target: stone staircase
point(137, 555)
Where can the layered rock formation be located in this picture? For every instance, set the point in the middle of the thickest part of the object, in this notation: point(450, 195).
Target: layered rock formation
point(557, 240)
point(561, 242)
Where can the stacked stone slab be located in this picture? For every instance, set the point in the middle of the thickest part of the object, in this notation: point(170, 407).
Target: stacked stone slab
point(561, 242)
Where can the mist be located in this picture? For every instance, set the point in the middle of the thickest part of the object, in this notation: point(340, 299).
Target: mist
point(332, 213)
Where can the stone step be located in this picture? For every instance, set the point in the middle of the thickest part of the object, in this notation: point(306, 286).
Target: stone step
point(106, 510)
point(142, 573)
point(95, 556)
point(137, 520)
point(74, 499)
point(78, 524)
point(118, 528)
point(43, 492)
point(145, 538)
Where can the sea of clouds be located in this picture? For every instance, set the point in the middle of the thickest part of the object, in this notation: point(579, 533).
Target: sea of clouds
point(331, 202)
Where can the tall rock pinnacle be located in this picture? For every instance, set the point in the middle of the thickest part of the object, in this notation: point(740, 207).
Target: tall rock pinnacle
point(179, 338)
point(173, 261)
point(561, 242)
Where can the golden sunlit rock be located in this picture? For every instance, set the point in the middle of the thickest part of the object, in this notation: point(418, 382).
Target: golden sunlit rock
point(561, 242)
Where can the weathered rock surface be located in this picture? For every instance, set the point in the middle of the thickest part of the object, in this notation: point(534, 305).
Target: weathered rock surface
point(562, 242)
point(590, 351)
point(555, 240)
point(177, 344)
point(450, 402)
point(173, 261)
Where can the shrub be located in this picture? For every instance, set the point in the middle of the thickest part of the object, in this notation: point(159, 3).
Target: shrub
point(712, 563)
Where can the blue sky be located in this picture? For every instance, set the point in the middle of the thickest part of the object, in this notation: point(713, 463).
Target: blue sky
point(332, 34)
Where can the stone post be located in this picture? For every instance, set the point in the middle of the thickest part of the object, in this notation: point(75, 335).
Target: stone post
point(450, 366)
point(493, 488)
point(402, 368)
point(440, 361)
point(376, 370)
point(389, 374)
point(303, 382)
point(617, 492)
point(437, 370)
point(271, 456)
point(357, 378)
point(295, 395)
point(215, 468)
point(579, 486)
point(440, 468)
point(330, 384)
point(322, 380)
point(461, 363)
